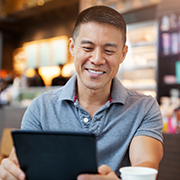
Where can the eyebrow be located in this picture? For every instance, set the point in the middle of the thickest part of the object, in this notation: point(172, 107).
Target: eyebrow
point(86, 42)
point(106, 45)
point(111, 45)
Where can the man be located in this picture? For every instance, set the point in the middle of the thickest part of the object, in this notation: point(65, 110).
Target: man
point(128, 125)
point(36, 80)
point(59, 80)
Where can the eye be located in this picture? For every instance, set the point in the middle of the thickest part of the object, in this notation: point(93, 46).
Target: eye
point(88, 49)
point(108, 52)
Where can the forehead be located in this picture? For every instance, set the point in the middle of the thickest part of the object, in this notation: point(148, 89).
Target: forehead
point(99, 31)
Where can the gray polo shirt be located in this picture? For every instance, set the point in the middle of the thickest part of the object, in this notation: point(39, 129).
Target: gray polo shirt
point(126, 115)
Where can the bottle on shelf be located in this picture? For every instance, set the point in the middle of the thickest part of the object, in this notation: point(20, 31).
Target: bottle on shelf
point(175, 101)
point(174, 43)
point(165, 24)
point(178, 121)
point(166, 43)
point(170, 109)
point(177, 70)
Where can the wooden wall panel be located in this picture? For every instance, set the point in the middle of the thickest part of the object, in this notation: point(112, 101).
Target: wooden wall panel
point(170, 165)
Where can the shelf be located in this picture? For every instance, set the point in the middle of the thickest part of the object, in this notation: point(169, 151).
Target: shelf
point(142, 43)
point(140, 84)
point(139, 49)
point(151, 65)
point(137, 72)
point(170, 85)
point(170, 30)
point(170, 56)
point(141, 87)
point(168, 47)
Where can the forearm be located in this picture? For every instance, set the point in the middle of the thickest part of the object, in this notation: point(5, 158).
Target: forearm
point(146, 152)
point(147, 164)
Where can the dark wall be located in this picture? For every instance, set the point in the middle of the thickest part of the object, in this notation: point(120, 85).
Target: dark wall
point(50, 24)
point(49, 27)
point(139, 15)
point(8, 45)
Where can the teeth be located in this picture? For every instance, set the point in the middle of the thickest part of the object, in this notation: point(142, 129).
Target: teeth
point(95, 72)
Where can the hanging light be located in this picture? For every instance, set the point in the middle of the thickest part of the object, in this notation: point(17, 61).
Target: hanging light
point(40, 2)
point(48, 73)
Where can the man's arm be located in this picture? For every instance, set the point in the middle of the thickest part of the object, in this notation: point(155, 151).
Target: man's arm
point(9, 168)
point(145, 151)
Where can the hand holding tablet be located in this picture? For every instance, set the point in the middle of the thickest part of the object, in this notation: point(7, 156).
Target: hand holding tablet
point(55, 155)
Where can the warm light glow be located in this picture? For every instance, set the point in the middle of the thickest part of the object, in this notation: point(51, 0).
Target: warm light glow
point(152, 93)
point(19, 61)
point(3, 73)
point(30, 72)
point(3, 14)
point(59, 49)
point(48, 73)
point(46, 52)
point(31, 53)
point(40, 3)
point(68, 70)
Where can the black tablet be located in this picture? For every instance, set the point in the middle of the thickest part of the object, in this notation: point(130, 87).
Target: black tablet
point(55, 155)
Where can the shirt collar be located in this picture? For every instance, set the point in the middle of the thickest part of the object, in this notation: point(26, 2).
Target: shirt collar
point(118, 93)
point(69, 89)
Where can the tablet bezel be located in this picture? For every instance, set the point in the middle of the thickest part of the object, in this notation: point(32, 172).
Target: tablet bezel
point(42, 156)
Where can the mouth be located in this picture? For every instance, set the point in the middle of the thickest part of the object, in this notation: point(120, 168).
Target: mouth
point(98, 72)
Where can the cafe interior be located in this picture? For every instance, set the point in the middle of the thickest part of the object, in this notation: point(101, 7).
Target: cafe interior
point(34, 40)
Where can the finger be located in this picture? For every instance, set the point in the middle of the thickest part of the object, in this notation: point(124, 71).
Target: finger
point(6, 175)
point(110, 176)
point(104, 169)
point(15, 160)
point(105, 173)
point(90, 177)
point(12, 168)
point(13, 156)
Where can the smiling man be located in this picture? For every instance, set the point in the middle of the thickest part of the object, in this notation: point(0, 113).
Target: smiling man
point(98, 50)
point(127, 124)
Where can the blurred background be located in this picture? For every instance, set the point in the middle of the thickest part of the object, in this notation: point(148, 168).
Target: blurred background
point(34, 43)
point(34, 56)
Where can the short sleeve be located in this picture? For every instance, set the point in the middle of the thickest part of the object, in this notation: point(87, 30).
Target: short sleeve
point(152, 123)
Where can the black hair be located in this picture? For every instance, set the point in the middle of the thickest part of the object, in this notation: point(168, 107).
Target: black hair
point(101, 14)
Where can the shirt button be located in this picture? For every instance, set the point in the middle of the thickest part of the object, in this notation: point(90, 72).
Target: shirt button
point(86, 119)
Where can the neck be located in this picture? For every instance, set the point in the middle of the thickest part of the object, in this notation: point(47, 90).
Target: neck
point(91, 100)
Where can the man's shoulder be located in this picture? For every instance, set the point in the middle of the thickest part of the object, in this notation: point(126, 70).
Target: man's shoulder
point(50, 95)
point(122, 94)
point(133, 94)
point(65, 92)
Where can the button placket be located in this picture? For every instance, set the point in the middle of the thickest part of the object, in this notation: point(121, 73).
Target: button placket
point(86, 120)
point(98, 122)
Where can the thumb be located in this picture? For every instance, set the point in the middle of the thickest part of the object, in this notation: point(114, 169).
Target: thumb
point(104, 170)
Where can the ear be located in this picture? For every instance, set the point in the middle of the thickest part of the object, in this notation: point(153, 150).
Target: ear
point(71, 46)
point(125, 50)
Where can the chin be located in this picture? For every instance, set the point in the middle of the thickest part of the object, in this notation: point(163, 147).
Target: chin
point(94, 86)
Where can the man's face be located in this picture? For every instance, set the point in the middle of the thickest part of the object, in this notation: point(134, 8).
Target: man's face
point(98, 50)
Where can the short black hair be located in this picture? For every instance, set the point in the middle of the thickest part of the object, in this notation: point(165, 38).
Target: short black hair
point(101, 14)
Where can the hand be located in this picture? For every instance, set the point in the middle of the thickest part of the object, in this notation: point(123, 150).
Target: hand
point(9, 168)
point(105, 173)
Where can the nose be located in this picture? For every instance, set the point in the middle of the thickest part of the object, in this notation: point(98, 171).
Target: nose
point(97, 57)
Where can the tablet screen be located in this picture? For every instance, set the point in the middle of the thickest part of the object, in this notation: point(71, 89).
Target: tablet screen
point(55, 155)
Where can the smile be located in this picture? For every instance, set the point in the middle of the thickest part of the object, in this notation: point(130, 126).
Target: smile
point(95, 72)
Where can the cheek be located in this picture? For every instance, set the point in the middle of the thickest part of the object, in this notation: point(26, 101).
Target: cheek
point(81, 57)
point(114, 66)
point(79, 60)
point(114, 62)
